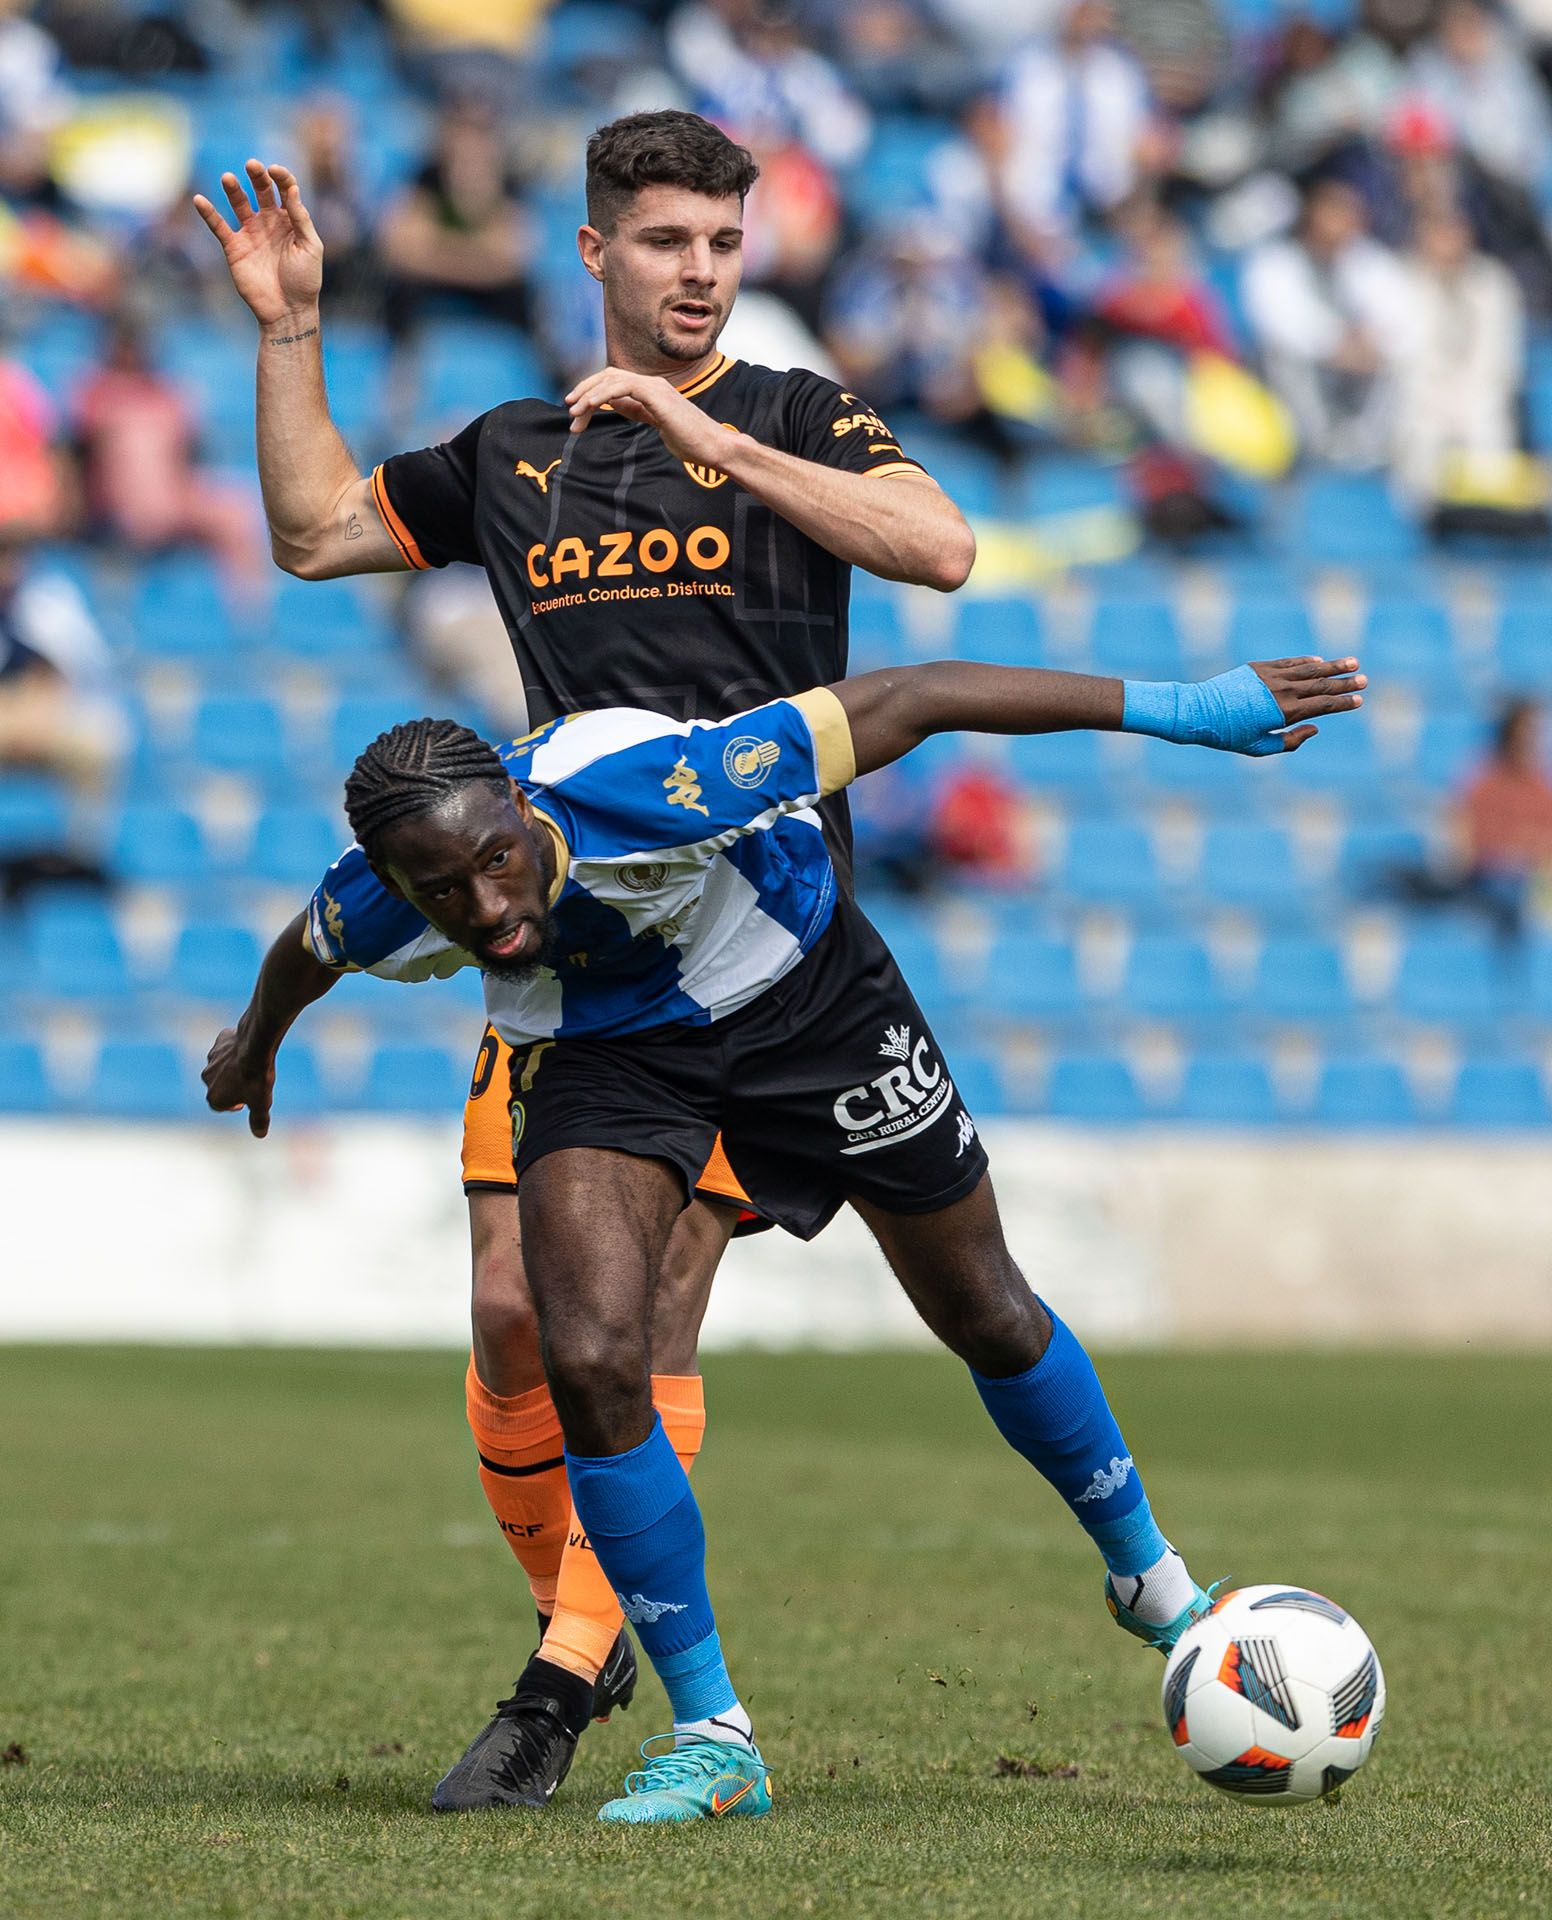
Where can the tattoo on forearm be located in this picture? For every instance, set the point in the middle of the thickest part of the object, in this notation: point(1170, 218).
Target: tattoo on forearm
point(354, 528)
point(290, 339)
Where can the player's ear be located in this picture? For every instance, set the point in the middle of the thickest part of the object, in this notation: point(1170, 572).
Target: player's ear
point(590, 245)
point(521, 803)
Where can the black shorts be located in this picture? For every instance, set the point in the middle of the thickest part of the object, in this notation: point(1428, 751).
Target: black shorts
point(830, 1086)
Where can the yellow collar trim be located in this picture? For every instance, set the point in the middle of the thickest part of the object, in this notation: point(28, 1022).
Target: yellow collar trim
point(562, 853)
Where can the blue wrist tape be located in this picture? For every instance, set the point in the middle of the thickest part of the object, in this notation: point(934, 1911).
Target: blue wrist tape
point(1235, 711)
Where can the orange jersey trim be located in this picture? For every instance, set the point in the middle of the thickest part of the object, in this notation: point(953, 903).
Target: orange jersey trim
point(709, 378)
point(896, 466)
point(402, 538)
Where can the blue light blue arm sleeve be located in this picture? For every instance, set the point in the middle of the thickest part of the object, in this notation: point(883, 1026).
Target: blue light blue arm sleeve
point(1236, 712)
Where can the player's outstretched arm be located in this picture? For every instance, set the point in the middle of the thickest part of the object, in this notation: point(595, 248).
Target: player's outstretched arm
point(1267, 707)
point(322, 518)
point(240, 1071)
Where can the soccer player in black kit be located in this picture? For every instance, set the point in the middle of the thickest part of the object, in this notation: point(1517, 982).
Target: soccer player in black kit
point(677, 536)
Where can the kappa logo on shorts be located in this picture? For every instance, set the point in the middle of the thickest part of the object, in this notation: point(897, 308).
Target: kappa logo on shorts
point(747, 761)
point(642, 876)
point(902, 1101)
point(966, 1133)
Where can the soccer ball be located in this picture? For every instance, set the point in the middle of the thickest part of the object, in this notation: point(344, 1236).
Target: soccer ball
point(1276, 1695)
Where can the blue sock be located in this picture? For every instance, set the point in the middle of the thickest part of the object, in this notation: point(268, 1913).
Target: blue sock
point(640, 1515)
point(1057, 1416)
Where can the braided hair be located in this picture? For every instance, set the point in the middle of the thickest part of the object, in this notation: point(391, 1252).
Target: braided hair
point(411, 769)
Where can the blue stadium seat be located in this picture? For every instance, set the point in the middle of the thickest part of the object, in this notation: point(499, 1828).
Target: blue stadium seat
point(1137, 639)
point(1342, 758)
point(414, 1079)
point(1110, 861)
point(179, 609)
point(142, 1080)
point(1034, 978)
point(1170, 978)
point(331, 621)
point(468, 366)
point(74, 951)
point(1096, 1087)
point(1226, 1090)
point(1055, 483)
point(1262, 628)
point(1448, 746)
point(1407, 639)
point(34, 813)
point(1227, 783)
point(1499, 1093)
point(240, 733)
point(978, 1082)
point(215, 960)
point(1525, 648)
point(914, 944)
point(1003, 631)
point(1070, 761)
point(295, 846)
point(1372, 850)
point(301, 1092)
point(1538, 980)
point(1300, 979)
point(24, 1084)
point(1344, 519)
point(1449, 977)
point(1363, 1092)
point(159, 843)
point(1250, 866)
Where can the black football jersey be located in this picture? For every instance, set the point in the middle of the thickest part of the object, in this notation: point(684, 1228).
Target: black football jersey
point(627, 577)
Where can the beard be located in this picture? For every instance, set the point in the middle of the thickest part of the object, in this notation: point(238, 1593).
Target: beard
point(514, 973)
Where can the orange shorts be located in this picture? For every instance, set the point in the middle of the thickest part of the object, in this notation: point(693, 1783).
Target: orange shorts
point(487, 1134)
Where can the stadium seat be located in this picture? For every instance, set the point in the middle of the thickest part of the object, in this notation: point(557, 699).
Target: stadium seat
point(1113, 862)
point(1363, 1092)
point(74, 951)
point(1269, 629)
point(1063, 484)
point(1250, 866)
point(1524, 654)
point(414, 1079)
point(1225, 783)
point(1408, 640)
point(1537, 972)
point(1372, 851)
point(1034, 978)
point(179, 609)
point(34, 813)
point(1449, 977)
point(1342, 758)
point(1073, 761)
point(240, 733)
point(1095, 1087)
point(1003, 631)
point(216, 961)
point(142, 1080)
point(1448, 746)
point(1499, 1093)
point(1226, 1090)
point(301, 1092)
point(331, 621)
point(1136, 639)
point(159, 843)
point(24, 1083)
point(1345, 519)
point(295, 846)
point(1299, 978)
point(978, 1082)
point(1170, 978)
point(464, 363)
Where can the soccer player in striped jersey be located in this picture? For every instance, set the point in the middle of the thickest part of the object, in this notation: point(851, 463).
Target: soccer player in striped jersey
point(677, 536)
point(667, 951)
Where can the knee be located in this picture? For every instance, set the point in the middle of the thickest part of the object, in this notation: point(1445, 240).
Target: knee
point(999, 1327)
point(600, 1379)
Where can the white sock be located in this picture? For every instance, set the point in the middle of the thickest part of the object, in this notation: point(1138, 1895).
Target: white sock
point(1159, 1592)
point(732, 1726)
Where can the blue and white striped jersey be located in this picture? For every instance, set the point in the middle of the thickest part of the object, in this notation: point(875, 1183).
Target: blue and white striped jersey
point(691, 872)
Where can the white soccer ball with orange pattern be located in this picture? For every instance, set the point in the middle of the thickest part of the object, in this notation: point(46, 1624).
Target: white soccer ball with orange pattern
point(1276, 1695)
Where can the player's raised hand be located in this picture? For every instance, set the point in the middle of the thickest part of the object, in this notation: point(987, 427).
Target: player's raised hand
point(1305, 689)
point(688, 433)
point(232, 1082)
point(273, 253)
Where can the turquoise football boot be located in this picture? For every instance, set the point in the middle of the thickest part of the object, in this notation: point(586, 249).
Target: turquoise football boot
point(1162, 1637)
point(705, 1780)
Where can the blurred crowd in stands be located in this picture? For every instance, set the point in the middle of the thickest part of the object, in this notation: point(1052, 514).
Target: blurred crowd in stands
point(1201, 248)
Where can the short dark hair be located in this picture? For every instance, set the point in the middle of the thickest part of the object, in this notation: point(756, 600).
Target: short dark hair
point(413, 768)
point(665, 149)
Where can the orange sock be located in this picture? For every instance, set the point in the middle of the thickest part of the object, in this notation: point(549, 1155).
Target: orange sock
point(587, 1616)
point(523, 1472)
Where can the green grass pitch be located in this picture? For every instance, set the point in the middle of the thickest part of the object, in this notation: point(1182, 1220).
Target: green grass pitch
point(253, 1604)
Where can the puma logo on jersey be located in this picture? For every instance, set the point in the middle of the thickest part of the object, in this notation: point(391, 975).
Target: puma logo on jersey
point(541, 480)
point(684, 788)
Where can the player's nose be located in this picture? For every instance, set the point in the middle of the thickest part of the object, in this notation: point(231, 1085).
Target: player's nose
point(700, 264)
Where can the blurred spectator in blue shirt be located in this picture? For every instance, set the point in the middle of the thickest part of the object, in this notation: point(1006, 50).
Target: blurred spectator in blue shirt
point(1079, 129)
point(1481, 80)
